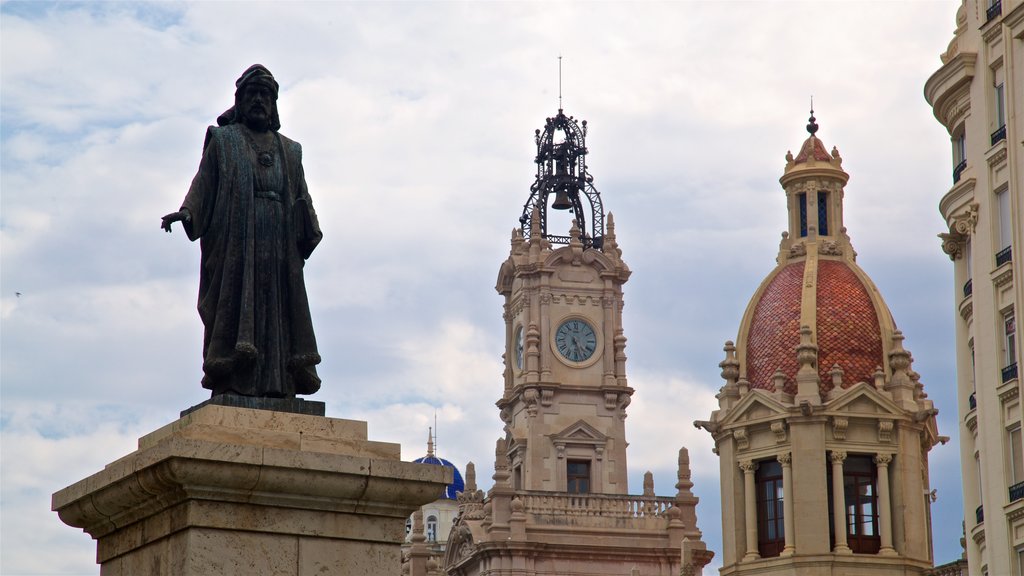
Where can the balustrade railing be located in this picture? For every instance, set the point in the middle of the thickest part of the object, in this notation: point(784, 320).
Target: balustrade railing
point(958, 170)
point(995, 9)
point(1009, 372)
point(1016, 491)
point(596, 508)
point(1003, 256)
point(999, 134)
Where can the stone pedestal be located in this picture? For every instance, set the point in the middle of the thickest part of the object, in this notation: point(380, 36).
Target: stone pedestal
point(233, 491)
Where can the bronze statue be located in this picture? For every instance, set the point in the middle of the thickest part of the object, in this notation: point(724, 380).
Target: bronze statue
point(249, 208)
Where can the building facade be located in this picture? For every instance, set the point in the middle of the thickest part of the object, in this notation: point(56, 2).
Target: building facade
point(560, 502)
point(823, 428)
point(978, 95)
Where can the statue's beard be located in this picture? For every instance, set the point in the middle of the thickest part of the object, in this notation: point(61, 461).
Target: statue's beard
point(260, 120)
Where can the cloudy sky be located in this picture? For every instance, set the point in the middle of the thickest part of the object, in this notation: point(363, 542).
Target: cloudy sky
point(417, 124)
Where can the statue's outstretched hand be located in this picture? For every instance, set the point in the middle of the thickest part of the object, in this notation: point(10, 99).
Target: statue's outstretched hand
point(178, 216)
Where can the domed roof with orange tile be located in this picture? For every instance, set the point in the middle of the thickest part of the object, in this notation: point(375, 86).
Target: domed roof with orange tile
point(818, 284)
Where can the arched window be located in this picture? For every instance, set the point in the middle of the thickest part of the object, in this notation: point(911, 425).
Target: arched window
point(431, 528)
point(823, 213)
point(771, 534)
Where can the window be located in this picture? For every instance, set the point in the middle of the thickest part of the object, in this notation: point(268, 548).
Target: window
point(1003, 213)
point(823, 213)
point(408, 527)
point(1000, 104)
point(1010, 338)
point(771, 535)
point(861, 504)
point(959, 154)
point(577, 476)
point(431, 528)
point(802, 199)
point(517, 478)
point(1016, 448)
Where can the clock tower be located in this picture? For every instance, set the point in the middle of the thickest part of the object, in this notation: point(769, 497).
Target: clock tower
point(565, 395)
point(560, 502)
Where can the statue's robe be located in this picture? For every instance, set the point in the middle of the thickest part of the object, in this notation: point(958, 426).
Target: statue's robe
point(259, 337)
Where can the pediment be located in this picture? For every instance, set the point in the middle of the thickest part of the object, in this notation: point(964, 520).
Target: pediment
point(756, 405)
point(864, 400)
point(579, 433)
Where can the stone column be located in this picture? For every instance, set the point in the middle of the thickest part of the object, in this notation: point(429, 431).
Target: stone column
point(787, 503)
point(884, 505)
point(839, 504)
point(750, 509)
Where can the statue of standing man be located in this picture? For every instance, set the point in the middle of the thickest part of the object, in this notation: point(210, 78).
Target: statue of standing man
point(249, 208)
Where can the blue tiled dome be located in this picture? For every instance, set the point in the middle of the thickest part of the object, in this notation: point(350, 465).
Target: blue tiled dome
point(457, 484)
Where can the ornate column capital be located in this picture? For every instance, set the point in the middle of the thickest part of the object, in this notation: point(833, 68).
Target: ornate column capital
point(837, 456)
point(883, 460)
point(785, 459)
point(748, 466)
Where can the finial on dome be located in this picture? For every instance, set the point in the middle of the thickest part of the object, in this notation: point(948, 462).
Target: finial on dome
point(812, 124)
point(430, 441)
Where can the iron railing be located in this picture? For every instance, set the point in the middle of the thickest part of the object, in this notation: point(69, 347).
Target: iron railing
point(958, 170)
point(1016, 491)
point(968, 287)
point(999, 134)
point(994, 10)
point(1009, 373)
point(1003, 256)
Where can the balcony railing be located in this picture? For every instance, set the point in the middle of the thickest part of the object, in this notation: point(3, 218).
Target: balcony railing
point(596, 510)
point(958, 170)
point(1016, 491)
point(972, 401)
point(1003, 256)
point(994, 10)
point(968, 287)
point(980, 514)
point(1009, 373)
point(999, 134)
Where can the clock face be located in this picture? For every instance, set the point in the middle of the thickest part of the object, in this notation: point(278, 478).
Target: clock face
point(519, 347)
point(576, 340)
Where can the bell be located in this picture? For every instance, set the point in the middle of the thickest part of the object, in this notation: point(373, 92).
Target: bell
point(561, 201)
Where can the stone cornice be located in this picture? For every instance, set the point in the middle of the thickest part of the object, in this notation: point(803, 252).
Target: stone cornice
point(944, 85)
point(958, 198)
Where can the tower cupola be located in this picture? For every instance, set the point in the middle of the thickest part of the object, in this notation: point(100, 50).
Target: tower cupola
point(813, 181)
point(563, 178)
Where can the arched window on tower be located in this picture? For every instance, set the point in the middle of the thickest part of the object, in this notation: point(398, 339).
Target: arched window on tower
point(802, 200)
point(771, 536)
point(431, 528)
point(823, 213)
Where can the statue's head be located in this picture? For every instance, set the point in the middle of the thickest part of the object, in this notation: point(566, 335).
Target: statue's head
point(255, 100)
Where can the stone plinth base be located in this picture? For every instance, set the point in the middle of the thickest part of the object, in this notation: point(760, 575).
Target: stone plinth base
point(232, 491)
